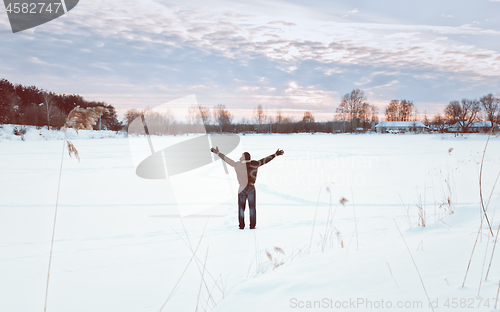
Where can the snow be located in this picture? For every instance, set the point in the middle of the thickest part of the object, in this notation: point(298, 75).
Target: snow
point(400, 124)
point(120, 244)
point(42, 133)
point(473, 124)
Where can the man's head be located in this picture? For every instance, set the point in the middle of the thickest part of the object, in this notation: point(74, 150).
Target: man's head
point(245, 156)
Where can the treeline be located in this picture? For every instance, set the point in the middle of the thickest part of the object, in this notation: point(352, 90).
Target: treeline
point(354, 114)
point(29, 105)
point(465, 112)
point(163, 126)
point(461, 113)
point(202, 119)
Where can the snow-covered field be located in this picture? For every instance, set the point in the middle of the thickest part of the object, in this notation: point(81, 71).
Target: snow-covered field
point(120, 244)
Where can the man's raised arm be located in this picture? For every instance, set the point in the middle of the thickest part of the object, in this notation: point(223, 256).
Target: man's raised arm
point(228, 160)
point(267, 159)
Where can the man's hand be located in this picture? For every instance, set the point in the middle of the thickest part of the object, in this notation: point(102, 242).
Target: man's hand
point(279, 152)
point(215, 150)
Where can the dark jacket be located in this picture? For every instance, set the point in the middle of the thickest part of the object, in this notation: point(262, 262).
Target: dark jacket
point(246, 171)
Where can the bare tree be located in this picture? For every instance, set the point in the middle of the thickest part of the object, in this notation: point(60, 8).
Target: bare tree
point(453, 111)
point(308, 117)
point(352, 104)
point(354, 107)
point(391, 111)
point(426, 120)
point(279, 116)
point(160, 123)
point(222, 117)
point(270, 120)
point(193, 114)
point(198, 118)
point(403, 110)
point(374, 113)
point(406, 110)
point(279, 119)
point(491, 106)
point(464, 112)
point(48, 103)
point(259, 115)
point(205, 114)
point(364, 112)
point(438, 122)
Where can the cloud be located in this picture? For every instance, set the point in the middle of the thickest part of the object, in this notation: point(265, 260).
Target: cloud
point(248, 88)
point(217, 52)
point(306, 96)
point(242, 37)
point(384, 86)
point(101, 66)
point(282, 23)
point(471, 24)
point(354, 11)
point(36, 60)
point(330, 71)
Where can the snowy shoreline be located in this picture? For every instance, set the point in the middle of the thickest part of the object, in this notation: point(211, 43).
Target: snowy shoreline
point(34, 133)
point(42, 133)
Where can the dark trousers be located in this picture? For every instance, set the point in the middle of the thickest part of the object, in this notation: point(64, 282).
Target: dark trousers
point(247, 193)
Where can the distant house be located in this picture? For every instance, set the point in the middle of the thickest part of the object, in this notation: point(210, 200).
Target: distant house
point(475, 126)
point(400, 126)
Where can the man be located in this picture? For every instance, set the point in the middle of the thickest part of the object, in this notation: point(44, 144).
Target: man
point(246, 172)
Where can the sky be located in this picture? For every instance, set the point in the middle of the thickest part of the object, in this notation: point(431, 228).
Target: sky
point(288, 55)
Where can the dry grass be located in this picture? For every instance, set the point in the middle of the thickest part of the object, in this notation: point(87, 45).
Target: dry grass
point(269, 260)
point(419, 215)
point(343, 201)
point(390, 271)
point(355, 222)
point(72, 150)
point(498, 291)
point(314, 222)
point(331, 232)
point(406, 211)
point(493, 252)
point(415, 264)
point(446, 206)
point(84, 118)
point(79, 119)
point(202, 281)
point(483, 216)
point(422, 219)
point(447, 203)
point(216, 292)
point(278, 249)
